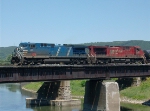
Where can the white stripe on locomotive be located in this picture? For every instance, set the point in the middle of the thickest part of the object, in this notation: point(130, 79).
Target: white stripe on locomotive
point(69, 51)
point(58, 51)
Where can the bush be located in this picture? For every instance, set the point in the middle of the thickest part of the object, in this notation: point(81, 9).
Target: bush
point(83, 83)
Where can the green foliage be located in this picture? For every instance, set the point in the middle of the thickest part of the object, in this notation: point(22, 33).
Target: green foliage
point(138, 92)
point(83, 83)
point(8, 58)
point(6, 61)
point(76, 87)
point(5, 55)
point(5, 51)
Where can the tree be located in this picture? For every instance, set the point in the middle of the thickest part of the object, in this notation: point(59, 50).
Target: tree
point(8, 59)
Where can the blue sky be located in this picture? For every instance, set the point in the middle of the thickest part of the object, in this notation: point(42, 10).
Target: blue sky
point(73, 21)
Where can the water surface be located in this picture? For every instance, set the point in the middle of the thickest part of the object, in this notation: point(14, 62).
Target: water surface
point(12, 98)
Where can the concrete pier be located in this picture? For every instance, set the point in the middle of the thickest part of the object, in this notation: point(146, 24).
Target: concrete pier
point(101, 96)
point(54, 93)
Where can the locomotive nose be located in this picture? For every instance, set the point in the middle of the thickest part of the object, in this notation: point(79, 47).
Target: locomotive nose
point(147, 54)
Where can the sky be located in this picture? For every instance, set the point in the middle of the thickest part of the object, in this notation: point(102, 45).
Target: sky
point(73, 21)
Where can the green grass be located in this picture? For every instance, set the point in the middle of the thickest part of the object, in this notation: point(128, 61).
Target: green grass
point(34, 86)
point(77, 87)
point(141, 92)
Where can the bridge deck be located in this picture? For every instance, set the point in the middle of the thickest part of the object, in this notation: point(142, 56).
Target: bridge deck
point(71, 72)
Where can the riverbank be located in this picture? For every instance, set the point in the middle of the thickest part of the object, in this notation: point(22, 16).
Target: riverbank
point(122, 99)
point(134, 95)
point(28, 90)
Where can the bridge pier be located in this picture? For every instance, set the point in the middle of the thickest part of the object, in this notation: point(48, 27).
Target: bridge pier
point(101, 96)
point(54, 93)
point(136, 81)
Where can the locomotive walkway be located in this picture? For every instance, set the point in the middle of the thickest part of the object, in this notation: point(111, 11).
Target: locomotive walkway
point(71, 72)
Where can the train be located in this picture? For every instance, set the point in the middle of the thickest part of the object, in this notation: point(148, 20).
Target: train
point(47, 53)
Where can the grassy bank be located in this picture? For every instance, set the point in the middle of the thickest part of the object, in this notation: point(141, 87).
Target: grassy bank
point(77, 87)
point(138, 92)
point(34, 86)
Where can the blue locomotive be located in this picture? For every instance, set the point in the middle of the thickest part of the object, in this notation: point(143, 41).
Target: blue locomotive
point(40, 53)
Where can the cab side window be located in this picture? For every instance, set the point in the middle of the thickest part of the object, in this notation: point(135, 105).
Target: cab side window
point(32, 46)
point(138, 49)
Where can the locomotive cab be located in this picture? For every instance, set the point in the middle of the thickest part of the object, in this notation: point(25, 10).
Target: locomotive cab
point(139, 51)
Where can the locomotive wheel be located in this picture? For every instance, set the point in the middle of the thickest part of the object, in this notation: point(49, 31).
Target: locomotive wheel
point(84, 62)
point(15, 61)
point(78, 62)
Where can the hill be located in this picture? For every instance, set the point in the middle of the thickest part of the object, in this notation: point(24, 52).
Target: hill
point(6, 51)
point(143, 44)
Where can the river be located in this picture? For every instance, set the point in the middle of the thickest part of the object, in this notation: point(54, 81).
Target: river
point(12, 98)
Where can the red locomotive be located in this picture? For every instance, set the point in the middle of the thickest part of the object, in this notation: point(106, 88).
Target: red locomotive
point(116, 54)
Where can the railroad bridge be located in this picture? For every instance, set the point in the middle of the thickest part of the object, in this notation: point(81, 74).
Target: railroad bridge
point(56, 88)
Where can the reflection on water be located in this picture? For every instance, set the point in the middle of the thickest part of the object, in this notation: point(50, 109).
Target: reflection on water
point(52, 108)
point(12, 98)
point(11, 87)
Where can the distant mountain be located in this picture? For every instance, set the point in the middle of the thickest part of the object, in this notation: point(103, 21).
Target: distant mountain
point(145, 45)
point(6, 51)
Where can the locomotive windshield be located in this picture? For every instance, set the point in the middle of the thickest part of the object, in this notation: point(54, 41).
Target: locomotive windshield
point(100, 51)
point(23, 45)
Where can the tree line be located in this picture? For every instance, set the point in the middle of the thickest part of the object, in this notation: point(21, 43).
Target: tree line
point(5, 61)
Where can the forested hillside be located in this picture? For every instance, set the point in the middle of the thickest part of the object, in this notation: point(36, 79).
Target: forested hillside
point(5, 52)
point(143, 44)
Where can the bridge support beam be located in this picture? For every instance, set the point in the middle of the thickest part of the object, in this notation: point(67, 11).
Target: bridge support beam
point(101, 96)
point(136, 81)
point(54, 93)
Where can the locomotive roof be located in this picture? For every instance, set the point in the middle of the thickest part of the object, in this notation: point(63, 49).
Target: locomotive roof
point(69, 45)
point(112, 46)
point(75, 45)
point(33, 43)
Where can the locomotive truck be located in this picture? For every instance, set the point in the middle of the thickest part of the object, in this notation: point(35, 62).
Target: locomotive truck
point(46, 53)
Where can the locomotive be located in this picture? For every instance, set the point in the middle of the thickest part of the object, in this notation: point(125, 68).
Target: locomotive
point(46, 53)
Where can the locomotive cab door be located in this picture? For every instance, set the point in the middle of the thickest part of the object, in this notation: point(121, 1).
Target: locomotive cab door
point(32, 51)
